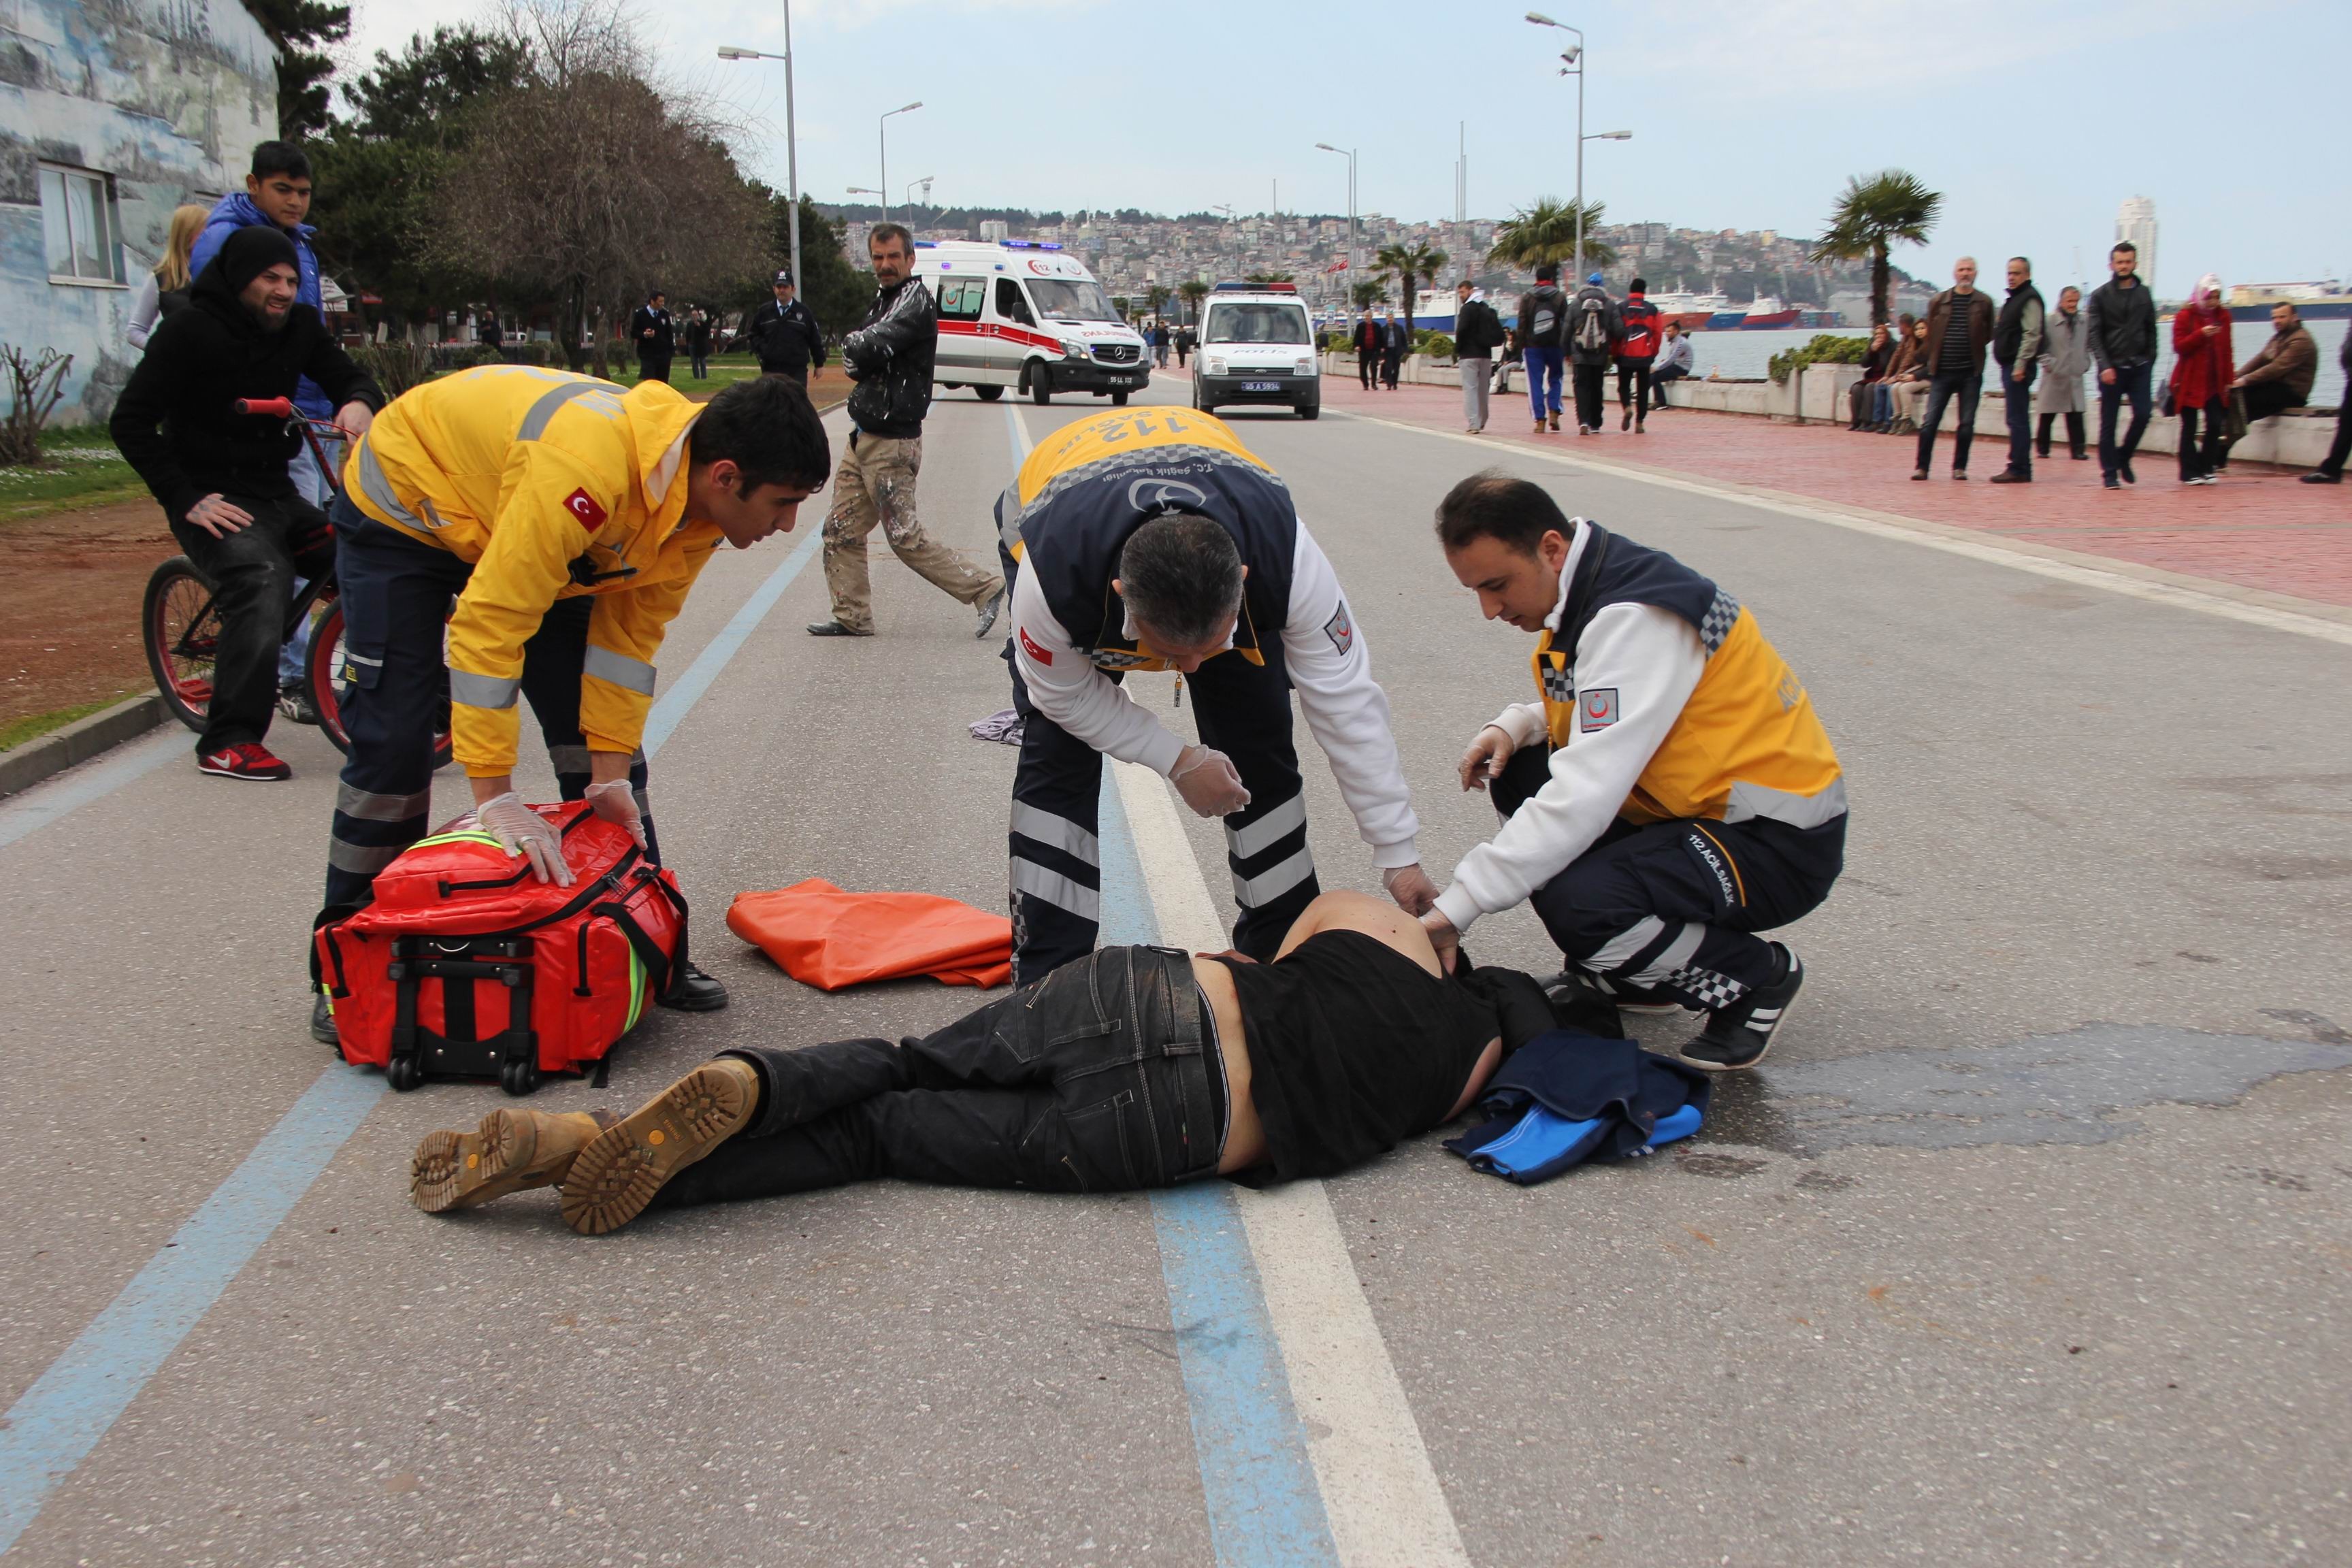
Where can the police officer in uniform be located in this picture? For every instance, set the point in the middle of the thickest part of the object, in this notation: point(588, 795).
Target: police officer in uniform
point(783, 334)
point(1671, 794)
point(569, 520)
point(1150, 538)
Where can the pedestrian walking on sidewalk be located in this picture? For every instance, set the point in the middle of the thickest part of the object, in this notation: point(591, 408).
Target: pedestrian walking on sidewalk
point(1676, 357)
point(1959, 330)
point(2331, 469)
point(2017, 349)
point(1593, 334)
point(2201, 359)
point(1477, 334)
point(890, 356)
point(1543, 340)
point(2280, 375)
point(697, 341)
point(2065, 357)
point(1394, 341)
point(655, 338)
point(2122, 316)
point(1368, 342)
point(1637, 347)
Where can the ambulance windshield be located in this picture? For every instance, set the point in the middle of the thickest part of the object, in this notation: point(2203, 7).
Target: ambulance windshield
point(1254, 323)
point(1071, 301)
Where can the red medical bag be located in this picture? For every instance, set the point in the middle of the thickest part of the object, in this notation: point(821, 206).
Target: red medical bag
point(466, 965)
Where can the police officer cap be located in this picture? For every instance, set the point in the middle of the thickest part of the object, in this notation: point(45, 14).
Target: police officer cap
point(784, 279)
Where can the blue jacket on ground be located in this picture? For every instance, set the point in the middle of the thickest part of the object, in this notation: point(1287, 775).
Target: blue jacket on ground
point(1567, 1097)
point(236, 211)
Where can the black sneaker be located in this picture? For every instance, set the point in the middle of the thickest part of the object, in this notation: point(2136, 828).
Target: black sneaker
point(2124, 468)
point(323, 1023)
point(1625, 998)
point(1737, 1037)
point(833, 629)
point(2316, 477)
point(695, 992)
point(294, 702)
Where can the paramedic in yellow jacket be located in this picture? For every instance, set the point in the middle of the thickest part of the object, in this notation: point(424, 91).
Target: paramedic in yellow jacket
point(568, 519)
point(1669, 793)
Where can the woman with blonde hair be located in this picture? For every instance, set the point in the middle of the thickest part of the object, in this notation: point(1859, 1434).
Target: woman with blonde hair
point(165, 289)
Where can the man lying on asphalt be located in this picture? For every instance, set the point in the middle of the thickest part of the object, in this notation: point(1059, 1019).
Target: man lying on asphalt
point(1133, 1067)
point(1685, 796)
point(1150, 538)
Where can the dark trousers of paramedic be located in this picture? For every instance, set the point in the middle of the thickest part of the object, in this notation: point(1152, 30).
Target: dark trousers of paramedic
point(396, 592)
point(1242, 709)
point(252, 573)
point(1674, 905)
point(1096, 1078)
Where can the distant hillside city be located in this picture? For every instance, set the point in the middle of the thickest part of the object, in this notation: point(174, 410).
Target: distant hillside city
point(1131, 250)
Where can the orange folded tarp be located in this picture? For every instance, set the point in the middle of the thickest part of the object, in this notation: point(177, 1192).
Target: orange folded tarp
point(827, 938)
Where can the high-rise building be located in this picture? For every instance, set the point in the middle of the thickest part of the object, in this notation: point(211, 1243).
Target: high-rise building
point(993, 229)
point(2135, 221)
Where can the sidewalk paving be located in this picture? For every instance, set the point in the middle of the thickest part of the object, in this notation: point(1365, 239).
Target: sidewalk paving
point(2258, 527)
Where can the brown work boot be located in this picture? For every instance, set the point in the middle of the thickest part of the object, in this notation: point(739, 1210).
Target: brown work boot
point(510, 1151)
point(618, 1173)
point(1555, 421)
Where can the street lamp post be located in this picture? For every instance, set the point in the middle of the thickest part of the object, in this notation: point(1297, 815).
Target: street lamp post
point(1349, 153)
point(1574, 66)
point(882, 135)
point(791, 143)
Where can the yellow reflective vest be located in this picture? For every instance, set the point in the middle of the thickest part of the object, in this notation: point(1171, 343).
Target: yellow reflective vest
point(552, 485)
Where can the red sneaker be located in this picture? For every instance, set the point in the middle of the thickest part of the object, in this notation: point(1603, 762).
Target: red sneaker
point(250, 761)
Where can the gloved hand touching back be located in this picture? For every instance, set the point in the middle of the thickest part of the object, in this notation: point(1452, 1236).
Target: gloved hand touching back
point(1209, 783)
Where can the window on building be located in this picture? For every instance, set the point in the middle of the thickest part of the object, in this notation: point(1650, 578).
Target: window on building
point(82, 226)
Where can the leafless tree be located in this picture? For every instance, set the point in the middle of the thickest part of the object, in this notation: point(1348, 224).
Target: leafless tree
point(596, 182)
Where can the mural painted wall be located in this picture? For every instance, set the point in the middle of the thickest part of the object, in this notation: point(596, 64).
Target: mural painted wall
point(164, 99)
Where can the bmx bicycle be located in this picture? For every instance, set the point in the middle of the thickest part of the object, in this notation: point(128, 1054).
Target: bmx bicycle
point(181, 623)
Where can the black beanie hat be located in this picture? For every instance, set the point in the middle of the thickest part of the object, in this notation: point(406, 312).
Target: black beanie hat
point(249, 252)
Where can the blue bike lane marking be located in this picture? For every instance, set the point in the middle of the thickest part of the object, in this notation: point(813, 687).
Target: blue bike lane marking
point(1265, 1509)
point(68, 1411)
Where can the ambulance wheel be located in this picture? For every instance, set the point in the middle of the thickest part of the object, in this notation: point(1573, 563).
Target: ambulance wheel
point(519, 1077)
point(950, 387)
point(404, 1073)
point(1119, 400)
point(989, 394)
point(1041, 386)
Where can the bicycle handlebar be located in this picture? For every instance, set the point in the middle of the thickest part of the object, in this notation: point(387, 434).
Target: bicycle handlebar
point(267, 407)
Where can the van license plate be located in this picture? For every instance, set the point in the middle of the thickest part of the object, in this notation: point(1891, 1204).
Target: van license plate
point(1261, 386)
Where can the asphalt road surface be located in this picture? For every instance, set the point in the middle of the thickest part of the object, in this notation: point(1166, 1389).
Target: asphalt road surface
point(2030, 1244)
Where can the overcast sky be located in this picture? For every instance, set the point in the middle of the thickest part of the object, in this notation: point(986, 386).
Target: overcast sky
point(2036, 118)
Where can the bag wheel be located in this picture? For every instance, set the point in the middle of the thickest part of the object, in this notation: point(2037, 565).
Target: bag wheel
point(404, 1073)
point(519, 1077)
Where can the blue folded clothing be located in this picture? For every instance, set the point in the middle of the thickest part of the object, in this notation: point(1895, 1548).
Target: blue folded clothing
point(1567, 1097)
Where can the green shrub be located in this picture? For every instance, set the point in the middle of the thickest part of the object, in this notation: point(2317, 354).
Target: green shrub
point(1434, 343)
point(396, 365)
point(1827, 348)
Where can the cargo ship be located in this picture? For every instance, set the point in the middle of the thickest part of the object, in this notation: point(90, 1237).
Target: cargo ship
point(1765, 313)
point(2324, 299)
point(1691, 312)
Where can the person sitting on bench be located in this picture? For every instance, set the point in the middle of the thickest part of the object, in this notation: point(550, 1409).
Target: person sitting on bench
point(1133, 1067)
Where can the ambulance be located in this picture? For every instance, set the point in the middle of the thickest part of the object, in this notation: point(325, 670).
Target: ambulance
point(1029, 316)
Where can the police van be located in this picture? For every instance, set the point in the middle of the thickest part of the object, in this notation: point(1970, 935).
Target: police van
point(1256, 346)
point(1029, 316)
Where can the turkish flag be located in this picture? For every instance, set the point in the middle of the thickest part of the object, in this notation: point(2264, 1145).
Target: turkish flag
point(583, 506)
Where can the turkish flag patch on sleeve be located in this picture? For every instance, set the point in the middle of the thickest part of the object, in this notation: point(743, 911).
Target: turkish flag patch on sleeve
point(585, 508)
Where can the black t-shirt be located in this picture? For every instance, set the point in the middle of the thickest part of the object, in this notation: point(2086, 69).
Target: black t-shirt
point(1353, 1048)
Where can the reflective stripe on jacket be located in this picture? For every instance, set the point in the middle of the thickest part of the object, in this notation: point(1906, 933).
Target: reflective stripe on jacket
point(552, 485)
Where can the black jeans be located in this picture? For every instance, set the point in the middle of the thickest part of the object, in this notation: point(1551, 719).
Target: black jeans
point(1633, 387)
point(2200, 458)
point(1661, 379)
point(2074, 439)
point(2265, 398)
point(2018, 401)
point(2341, 448)
point(2131, 381)
point(1968, 385)
point(1675, 905)
point(653, 367)
point(1587, 381)
point(1094, 1079)
point(252, 573)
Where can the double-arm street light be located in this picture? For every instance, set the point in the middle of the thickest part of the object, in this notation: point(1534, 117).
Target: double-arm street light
point(1349, 153)
point(883, 134)
point(1573, 65)
point(792, 148)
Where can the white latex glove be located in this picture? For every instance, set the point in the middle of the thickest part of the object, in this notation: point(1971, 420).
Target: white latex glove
point(523, 831)
point(1410, 886)
point(1443, 937)
point(1488, 753)
point(1209, 783)
point(615, 800)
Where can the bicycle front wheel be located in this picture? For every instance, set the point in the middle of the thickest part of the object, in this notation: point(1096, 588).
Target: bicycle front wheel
point(181, 627)
point(326, 673)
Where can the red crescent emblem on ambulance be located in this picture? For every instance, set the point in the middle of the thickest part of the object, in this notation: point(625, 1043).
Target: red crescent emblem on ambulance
point(582, 505)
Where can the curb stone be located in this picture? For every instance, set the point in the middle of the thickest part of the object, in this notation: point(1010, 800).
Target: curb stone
point(22, 767)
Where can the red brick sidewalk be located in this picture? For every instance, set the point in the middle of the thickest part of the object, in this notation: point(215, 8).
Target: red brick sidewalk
point(2258, 527)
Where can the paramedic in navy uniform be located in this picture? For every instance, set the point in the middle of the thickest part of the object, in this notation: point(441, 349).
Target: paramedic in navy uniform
point(1150, 539)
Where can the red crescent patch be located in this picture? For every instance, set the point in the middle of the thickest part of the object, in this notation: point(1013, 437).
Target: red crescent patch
point(1029, 645)
point(582, 506)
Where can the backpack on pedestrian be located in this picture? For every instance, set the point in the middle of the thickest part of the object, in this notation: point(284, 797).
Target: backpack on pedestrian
point(466, 965)
point(1641, 319)
point(1593, 324)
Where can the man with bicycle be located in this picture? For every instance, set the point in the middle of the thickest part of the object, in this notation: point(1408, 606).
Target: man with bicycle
point(223, 476)
point(568, 519)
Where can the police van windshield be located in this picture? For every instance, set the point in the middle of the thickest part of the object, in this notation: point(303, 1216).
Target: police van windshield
point(1242, 324)
point(1067, 301)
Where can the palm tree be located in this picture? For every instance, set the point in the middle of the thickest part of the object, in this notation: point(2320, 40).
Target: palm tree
point(1412, 264)
point(1194, 291)
point(1154, 296)
point(1872, 213)
point(1369, 293)
point(1547, 232)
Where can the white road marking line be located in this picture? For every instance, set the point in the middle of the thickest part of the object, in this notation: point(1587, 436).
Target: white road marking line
point(1380, 1492)
point(2179, 595)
